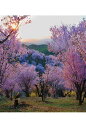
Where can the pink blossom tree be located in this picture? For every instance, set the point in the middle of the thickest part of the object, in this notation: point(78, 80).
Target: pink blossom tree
point(27, 78)
point(78, 38)
point(11, 87)
point(8, 53)
point(60, 39)
point(74, 73)
point(10, 84)
point(10, 25)
point(69, 44)
point(65, 36)
point(53, 77)
point(9, 43)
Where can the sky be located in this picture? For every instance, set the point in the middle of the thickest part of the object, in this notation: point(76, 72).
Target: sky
point(38, 29)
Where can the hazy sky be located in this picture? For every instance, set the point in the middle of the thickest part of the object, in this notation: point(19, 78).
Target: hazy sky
point(39, 28)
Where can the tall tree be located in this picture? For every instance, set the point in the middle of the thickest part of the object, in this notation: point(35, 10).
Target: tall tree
point(74, 73)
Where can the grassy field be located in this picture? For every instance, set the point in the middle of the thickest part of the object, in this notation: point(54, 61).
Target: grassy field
point(34, 104)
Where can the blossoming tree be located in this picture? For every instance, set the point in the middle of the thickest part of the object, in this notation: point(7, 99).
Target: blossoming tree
point(74, 73)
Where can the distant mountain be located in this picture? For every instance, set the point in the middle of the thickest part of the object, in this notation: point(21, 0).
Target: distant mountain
point(43, 41)
point(37, 42)
point(41, 48)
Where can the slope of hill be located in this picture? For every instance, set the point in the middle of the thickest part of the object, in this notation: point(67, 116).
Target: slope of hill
point(41, 48)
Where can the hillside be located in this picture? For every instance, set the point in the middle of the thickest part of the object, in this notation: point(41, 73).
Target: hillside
point(41, 48)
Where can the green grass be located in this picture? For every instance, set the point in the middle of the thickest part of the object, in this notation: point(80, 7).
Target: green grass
point(34, 104)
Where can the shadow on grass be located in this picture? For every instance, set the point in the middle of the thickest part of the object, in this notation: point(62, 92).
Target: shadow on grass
point(21, 105)
point(48, 102)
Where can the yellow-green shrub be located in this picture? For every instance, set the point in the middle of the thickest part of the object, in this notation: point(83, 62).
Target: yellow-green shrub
point(33, 94)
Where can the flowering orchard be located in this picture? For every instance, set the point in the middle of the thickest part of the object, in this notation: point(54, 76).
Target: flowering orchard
point(24, 71)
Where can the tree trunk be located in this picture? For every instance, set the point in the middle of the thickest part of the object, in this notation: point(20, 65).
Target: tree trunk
point(37, 90)
point(7, 94)
point(77, 96)
point(43, 93)
point(27, 94)
point(11, 95)
point(85, 95)
point(80, 90)
point(26, 90)
point(16, 103)
point(80, 102)
point(43, 98)
point(80, 98)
